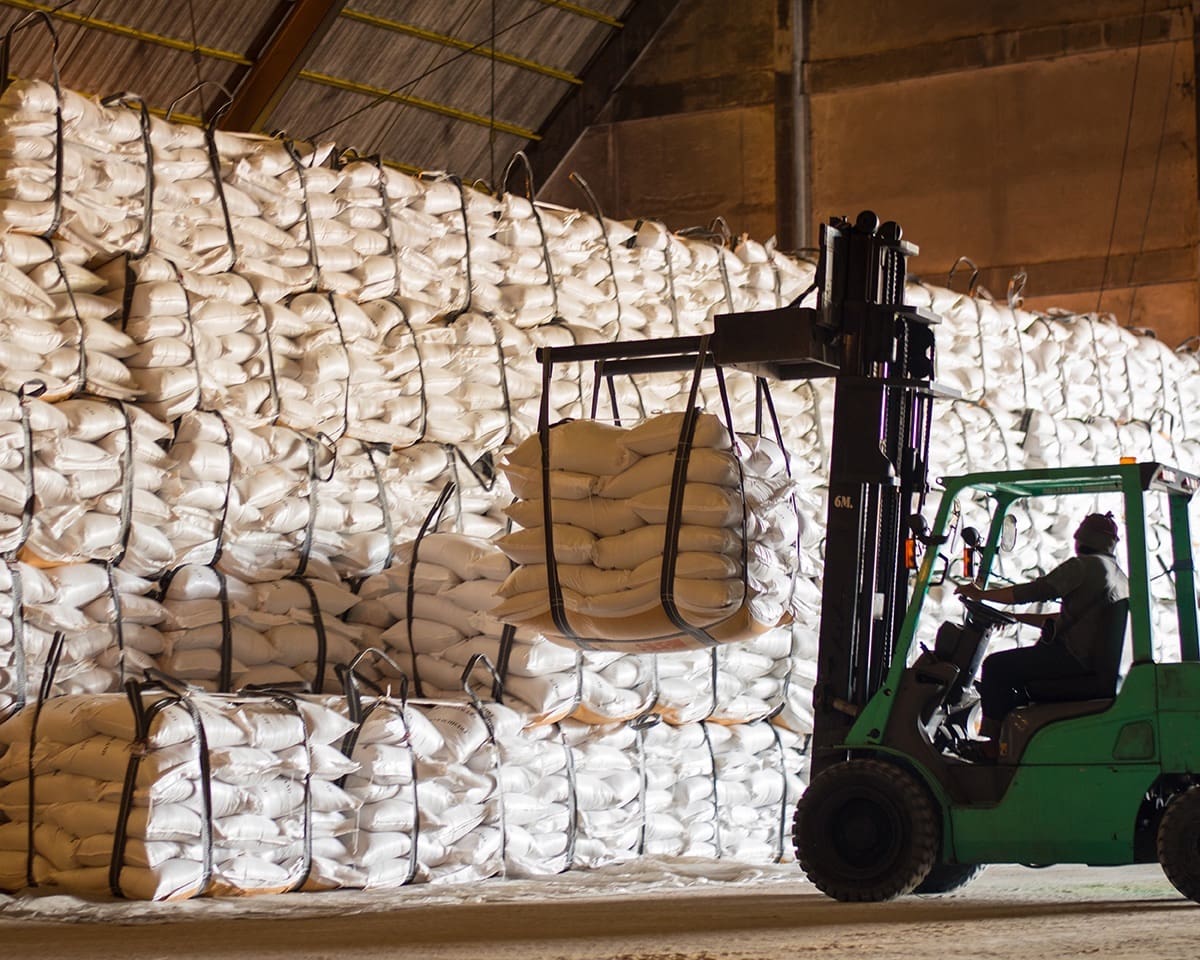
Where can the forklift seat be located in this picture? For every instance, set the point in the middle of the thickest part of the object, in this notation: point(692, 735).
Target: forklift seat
point(1066, 699)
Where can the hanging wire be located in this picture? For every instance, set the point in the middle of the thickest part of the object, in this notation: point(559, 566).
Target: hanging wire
point(384, 98)
point(492, 99)
point(458, 27)
point(1162, 131)
point(196, 58)
point(70, 49)
point(1112, 231)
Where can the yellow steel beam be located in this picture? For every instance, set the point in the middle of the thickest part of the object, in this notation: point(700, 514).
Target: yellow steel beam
point(581, 11)
point(430, 36)
point(130, 33)
point(420, 103)
point(324, 79)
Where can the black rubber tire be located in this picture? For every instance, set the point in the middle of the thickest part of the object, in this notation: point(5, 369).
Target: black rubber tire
point(948, 877)
point(1179, 843)
point(866, 830)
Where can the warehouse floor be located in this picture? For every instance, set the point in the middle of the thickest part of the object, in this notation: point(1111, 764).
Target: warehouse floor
point(643, 912)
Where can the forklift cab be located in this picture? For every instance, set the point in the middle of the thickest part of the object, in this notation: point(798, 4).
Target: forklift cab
point(1143, 491)
point(1094, 781)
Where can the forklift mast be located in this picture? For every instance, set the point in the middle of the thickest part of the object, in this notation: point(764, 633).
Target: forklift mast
point(881, 353)
point(878, 472)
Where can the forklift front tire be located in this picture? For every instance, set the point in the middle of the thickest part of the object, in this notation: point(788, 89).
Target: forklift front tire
point(866, 830)
point(1179, 843)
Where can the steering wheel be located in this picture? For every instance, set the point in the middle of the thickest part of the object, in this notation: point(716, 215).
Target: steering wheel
point(984, 615)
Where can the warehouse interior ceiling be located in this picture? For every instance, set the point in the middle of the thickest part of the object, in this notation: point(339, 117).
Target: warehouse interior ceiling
point(425, 84)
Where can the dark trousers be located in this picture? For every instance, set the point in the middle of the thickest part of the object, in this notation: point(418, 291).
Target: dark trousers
point(1005, 675)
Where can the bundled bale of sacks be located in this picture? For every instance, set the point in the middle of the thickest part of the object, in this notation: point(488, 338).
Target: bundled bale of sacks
point(428, 612)
point(220, 633)
point(698, 789)
point(168, 795)
point(172, 793)
point(73, 629)
point(730, 533)
point(97, 472)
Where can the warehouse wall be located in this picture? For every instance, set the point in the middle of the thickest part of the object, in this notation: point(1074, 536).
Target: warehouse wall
point(992, 130)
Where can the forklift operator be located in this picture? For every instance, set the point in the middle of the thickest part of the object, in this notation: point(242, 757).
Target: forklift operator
point(1072, 660)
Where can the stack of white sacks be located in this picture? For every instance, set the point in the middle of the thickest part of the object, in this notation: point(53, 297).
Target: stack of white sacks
point(230, 403)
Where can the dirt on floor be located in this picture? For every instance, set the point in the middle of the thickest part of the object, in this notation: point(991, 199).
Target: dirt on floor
point(645, 911)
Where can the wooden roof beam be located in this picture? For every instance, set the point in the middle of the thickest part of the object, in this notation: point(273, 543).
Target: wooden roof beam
point(275, 69)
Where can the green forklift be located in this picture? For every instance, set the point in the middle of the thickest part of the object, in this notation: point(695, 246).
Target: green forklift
point(897, 800)
point(1114, 781)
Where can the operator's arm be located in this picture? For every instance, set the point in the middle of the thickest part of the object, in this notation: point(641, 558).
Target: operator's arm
point(972, 591)
point(1052, 586)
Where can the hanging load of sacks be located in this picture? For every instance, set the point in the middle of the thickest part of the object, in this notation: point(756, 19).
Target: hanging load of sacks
point(672, 534)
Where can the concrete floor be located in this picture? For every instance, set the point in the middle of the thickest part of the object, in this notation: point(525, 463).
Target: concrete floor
point(650, 912)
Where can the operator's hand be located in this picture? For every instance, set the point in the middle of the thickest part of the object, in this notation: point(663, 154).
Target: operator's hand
point(970, 589)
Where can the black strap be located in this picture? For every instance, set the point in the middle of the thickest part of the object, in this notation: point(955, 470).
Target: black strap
point(136, 102)
point(558, 610)
point(314, 481)
point(716, 779)
point(189, 325)
point(318, 683)
point(427, 525)
point(214, 161)
point(530, 193)
point(337, 322)
point(18, 634)
point(45, 689)
point(422, 392)
point(608, 252)
point(287, 700)
point(274, 382)
point(313, 254)
point(674, 522)
point(508, 636)
point(389, 231)
point(34, 388)
point(118, 619)
point(359, 715)
point(466, 222)
point(389, 529)
point(143, 717)
point(643, 787)
point(572, 802)
point(785, 809)
point(225, 678)
point(219, 548)
point(505, 398)
point(127, 480)
point(481, 660)
point(81, 366)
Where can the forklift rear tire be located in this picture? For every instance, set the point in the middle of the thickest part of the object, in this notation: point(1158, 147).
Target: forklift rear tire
point(1179, 843)
point(948, 877)
point(866, 830)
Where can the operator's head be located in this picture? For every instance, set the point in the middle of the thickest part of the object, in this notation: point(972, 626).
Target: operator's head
point(1097, 533)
